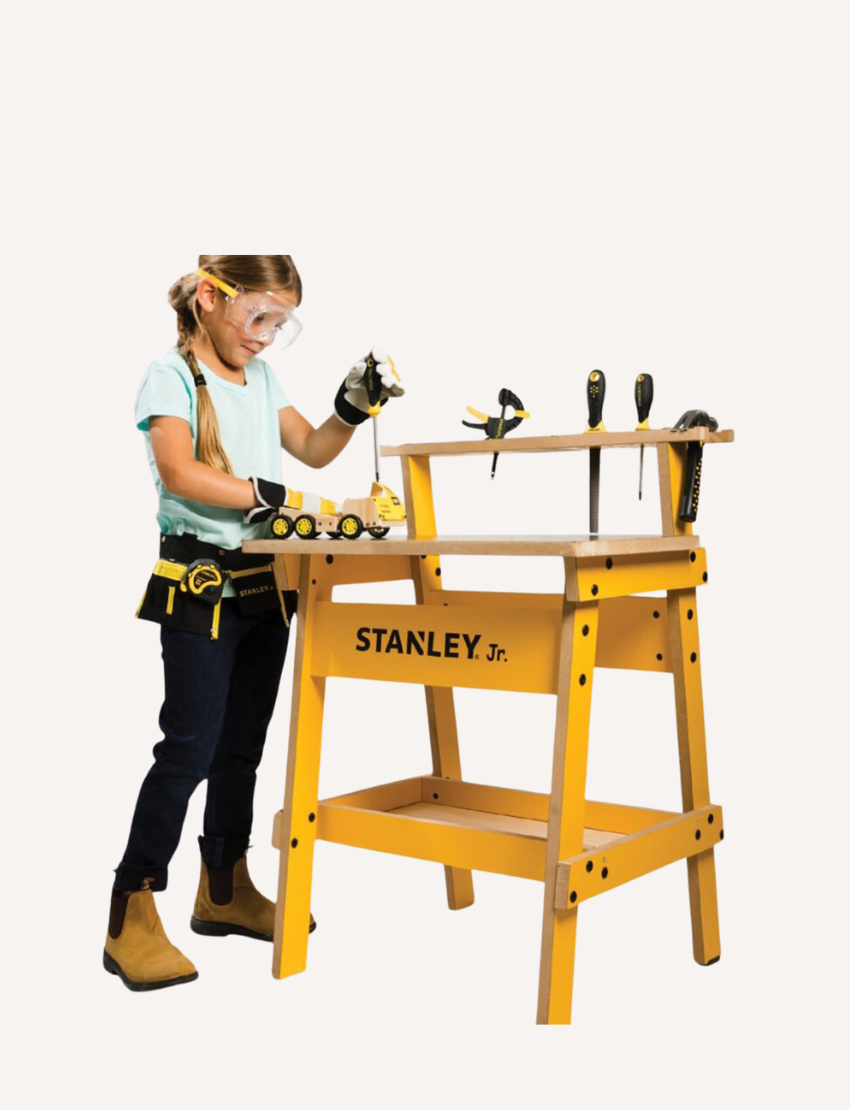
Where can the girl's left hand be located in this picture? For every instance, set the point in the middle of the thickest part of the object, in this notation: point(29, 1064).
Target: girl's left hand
point(352, 400)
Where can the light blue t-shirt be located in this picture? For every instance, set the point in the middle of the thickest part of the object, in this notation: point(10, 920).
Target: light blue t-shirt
point(250, 433)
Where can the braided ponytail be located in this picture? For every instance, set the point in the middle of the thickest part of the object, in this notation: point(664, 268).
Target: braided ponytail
point(182, 299)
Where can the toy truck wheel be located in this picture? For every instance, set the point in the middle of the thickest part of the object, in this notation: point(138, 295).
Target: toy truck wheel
point(378, 533)
point(305, 527)
point(281, 527)
point(351, 527)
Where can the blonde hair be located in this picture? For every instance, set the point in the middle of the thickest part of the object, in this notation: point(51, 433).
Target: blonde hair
point(259, 272)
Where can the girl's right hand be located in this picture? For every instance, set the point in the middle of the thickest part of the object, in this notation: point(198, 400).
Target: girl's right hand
point(352, 402)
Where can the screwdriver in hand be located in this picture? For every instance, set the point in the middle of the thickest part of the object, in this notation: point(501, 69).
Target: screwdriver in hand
point(643, 400)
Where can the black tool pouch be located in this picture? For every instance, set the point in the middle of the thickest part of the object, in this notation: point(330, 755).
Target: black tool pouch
point(185, 598)
point(256, 589)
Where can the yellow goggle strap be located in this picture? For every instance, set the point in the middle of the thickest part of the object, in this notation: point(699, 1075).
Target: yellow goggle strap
point(222, 285)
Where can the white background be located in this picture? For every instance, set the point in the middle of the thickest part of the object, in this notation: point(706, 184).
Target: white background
point(499, 195)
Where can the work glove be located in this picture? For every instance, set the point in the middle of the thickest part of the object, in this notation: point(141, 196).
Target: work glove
point(352, 401)
point(271, 497)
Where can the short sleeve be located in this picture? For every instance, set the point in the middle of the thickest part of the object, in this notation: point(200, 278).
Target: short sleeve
point(278, 397)
point(163, 392)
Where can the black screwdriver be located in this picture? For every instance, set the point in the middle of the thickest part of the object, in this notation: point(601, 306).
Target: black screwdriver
point(643, 400)
point(595, 401)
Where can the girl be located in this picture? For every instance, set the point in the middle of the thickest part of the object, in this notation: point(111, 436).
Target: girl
point(214, 419)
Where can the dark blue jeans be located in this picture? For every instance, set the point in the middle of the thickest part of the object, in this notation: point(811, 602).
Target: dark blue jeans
point(219, 698)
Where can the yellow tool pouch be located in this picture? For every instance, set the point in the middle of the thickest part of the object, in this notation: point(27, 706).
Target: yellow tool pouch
point(186, 597)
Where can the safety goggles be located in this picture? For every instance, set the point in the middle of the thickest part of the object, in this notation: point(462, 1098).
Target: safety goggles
point(256, 315)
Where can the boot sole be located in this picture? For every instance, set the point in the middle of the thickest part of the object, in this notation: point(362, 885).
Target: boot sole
point(224, 929)
point(114, 968)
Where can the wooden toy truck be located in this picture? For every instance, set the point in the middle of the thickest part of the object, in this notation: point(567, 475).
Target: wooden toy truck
point(375, 514)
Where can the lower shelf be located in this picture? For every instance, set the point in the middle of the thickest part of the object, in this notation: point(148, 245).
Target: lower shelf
point(490, 828)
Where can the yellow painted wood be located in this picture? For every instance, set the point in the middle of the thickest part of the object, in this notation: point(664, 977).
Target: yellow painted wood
point(577, 654)
point(439, 700)
point(636, 574)
point(458, 846)
point(632, 630)
point(671, 471)
point(483, 648)
point(619, 861)
point(380, 568)
point(693, 764)
point(297, 831)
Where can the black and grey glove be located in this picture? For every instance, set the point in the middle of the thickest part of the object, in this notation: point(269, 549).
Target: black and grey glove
point(271, 497)
point(353, 402)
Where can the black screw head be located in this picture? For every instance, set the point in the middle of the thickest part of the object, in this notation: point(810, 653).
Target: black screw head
point(690, 614)
point(659, 656)
point(721, 834)
point(693, 556)
point(435, 796)
point(438, 572)
point(573, 896)
point(311, 817)
point(609, 563)
point(705, 576)
point(656, 614)
point(589, 865)
point(711, 818)
point(582, 678)
point(594, 590)
point(693, 657)
point(698, 835)
point(604, 872)
point(585, 630)
point(314, 581)
point(294, 842)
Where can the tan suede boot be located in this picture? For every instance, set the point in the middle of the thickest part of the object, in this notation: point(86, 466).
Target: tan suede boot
point(228, 903)
point(137, 948)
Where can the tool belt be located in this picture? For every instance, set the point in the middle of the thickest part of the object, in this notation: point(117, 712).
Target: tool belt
point(186, 587)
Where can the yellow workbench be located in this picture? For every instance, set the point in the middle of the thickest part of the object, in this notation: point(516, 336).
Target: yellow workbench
point(535, 643)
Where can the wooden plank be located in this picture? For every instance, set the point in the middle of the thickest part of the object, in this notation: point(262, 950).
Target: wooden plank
point(453, 845)
point(574, 547)
point(567, 806)
point(623, 859)
point(438, 647)
point(296, 832)
point(693, 765)
point(426, 573)
point(518, 444)
point(671, 469)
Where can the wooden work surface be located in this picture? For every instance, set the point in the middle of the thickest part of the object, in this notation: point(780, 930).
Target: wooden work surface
point(582, 546)
point(582, 442)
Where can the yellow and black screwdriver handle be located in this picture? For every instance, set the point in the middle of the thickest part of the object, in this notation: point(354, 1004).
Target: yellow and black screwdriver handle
point(643, 400)
point(693, 418)
point(372, 382)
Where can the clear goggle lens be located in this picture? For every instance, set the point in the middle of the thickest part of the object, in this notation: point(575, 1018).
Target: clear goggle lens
point(262, 320)
point(257, 316)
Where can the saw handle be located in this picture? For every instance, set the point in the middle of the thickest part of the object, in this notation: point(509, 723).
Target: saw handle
point(595, 398)
point(643, 398)
point(690, 484)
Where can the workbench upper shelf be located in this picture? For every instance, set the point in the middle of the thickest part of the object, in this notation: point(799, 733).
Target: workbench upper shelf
point(581, 442)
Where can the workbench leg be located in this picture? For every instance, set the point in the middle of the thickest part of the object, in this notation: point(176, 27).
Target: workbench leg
point(442, 723)
point(301, 803)
point(566, 806)
point(693, 765)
